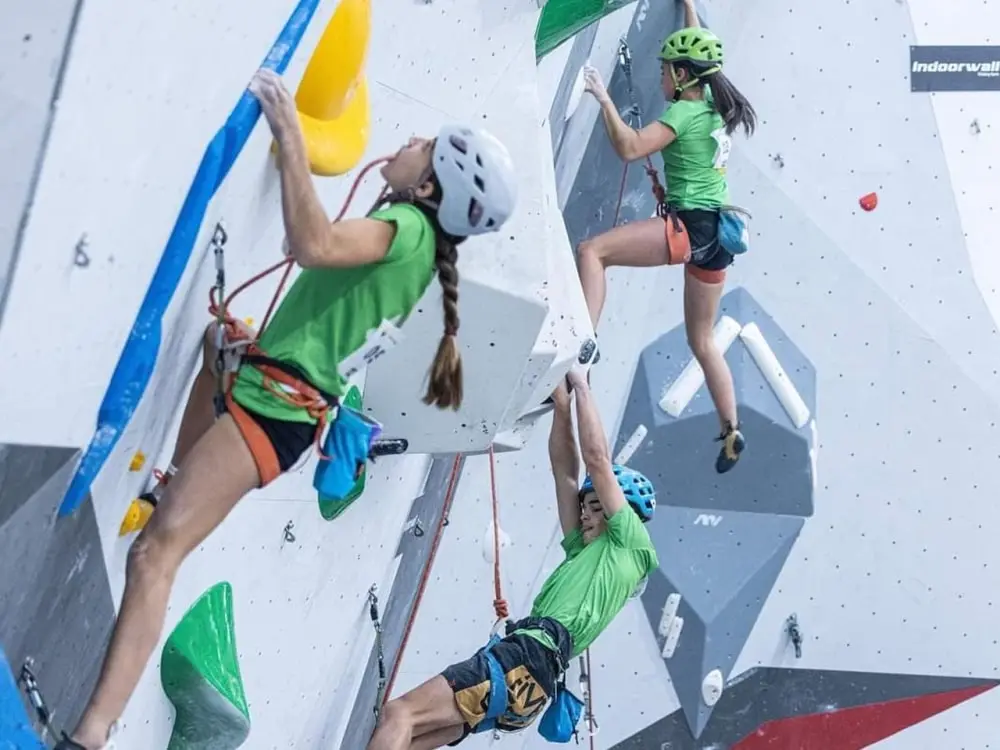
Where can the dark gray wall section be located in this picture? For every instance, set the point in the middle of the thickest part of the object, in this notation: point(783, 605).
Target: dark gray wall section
point(23, 471)
point(397, 607)
point(724, 574)
point(35, 38)
point(678, 455)
point(55, 600)
point(590, 207)
point(769, 694)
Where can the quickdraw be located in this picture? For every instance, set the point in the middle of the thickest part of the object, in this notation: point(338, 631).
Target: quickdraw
point(380, 655)
point(634, 119)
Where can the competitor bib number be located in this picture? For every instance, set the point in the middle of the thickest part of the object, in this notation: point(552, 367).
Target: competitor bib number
point(724, 147)
point(379, 341)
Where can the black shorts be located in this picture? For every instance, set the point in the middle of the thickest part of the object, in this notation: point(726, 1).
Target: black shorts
point(532, 671)
point(703, 229)
point(288, 440)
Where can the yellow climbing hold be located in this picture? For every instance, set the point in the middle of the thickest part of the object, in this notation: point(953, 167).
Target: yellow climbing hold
point(332, 98)
point(137, 462)
point(248, 321)
point(136, 517)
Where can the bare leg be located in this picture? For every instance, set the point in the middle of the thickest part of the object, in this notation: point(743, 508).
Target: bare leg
point(701, 305)
point(413, 718)
point(219, 471)
point(639, 244)
point(199, 413)
point(440, 738)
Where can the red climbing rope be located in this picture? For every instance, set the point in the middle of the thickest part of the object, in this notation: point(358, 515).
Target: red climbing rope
point(499, 603)
point(657, 188)
point(449, 496)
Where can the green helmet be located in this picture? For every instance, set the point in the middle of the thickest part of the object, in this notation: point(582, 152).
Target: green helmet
point(693, 45)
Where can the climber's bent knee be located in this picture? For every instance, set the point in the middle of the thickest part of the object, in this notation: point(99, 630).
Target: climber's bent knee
point(707, 275)
point(276, 445)
point(427, 708)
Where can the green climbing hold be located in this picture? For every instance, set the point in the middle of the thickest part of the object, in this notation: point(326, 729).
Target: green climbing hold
point(331, 507)
point(200, 672)
point(562, 19)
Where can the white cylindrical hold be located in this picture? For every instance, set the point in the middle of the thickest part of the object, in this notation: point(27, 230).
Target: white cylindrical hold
point(775, 375)
point(575, 94)
point(682, 390)
point(631, 445)
point(488, 550)
point(711, 687)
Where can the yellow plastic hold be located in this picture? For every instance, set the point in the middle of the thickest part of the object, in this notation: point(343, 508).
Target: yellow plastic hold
point(136, 517)
point(332, 98)
point(138, 461)
point(249, 322)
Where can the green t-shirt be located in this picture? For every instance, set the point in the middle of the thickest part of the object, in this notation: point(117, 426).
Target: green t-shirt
point(593, 583)
point(695, 162)
point(328, 312)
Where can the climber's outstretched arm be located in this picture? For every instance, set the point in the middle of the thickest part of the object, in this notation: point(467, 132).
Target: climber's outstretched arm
point(630, 144)
point(594, 447)
point(312, 240)
point(691, 15)
point(565, 460)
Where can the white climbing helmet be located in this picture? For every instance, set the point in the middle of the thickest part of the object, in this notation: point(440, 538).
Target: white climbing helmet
point(478, 184)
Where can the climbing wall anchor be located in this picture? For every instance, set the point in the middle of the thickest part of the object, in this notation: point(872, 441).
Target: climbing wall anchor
point(794, 634)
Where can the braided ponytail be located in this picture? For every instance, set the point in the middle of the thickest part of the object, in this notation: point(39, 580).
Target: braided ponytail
point(445, 388)
point(445, 385)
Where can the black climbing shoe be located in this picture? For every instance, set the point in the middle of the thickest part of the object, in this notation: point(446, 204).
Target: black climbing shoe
point(733, 444)
point(67, 744)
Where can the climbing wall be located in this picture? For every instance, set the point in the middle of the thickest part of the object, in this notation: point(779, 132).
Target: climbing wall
point(834, 584)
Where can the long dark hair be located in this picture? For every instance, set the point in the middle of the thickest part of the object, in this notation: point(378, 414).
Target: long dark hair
point(736, 110)
point(444, 386)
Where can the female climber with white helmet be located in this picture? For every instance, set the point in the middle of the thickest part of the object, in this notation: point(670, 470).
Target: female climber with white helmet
point(356, 276)
point(694, 137)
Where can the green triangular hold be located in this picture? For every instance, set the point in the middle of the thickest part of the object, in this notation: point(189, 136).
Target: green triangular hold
point(200, 673)
point(563, 19)
point(330, 507)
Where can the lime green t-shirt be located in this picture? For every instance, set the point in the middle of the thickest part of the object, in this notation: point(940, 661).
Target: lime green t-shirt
point(694, 164)
point(593, 583)
point(328, 312)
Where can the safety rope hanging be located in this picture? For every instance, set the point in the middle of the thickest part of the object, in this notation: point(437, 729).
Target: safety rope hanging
point(380, 655)
point(500, 606)
point(634, 120)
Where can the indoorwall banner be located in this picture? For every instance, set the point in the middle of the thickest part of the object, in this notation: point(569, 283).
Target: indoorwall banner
point(955, 68)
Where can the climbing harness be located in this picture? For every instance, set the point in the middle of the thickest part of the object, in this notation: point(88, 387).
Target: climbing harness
point(634, 119)
point(380, 655)
point(284, 381)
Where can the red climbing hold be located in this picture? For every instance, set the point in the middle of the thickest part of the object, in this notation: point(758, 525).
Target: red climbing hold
point(868, 202)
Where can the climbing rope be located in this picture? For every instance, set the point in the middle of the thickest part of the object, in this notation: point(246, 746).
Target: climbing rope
point(587, 688)
point(499, 603)
point(449, 497)
point(634, 120)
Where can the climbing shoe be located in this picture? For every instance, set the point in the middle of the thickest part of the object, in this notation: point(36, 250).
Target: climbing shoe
point(67, 744)
point(733, 444)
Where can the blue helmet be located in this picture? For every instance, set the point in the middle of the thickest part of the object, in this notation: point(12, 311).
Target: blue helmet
point(637, 490)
